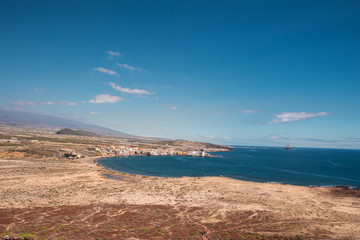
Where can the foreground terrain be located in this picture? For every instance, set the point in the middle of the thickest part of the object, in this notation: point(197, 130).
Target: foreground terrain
point(45, 195)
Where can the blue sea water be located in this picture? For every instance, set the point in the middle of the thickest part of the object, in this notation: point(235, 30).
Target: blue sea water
point(300, 166)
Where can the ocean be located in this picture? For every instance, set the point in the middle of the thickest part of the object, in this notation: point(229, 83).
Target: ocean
point(299, 166)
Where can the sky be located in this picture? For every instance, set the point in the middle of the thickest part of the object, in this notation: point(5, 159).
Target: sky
point(258, 73)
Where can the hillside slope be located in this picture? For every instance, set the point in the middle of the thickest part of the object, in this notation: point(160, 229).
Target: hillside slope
point(68, 131)
point(26, 119)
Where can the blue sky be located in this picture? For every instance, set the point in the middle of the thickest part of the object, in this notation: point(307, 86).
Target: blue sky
point(230, 72)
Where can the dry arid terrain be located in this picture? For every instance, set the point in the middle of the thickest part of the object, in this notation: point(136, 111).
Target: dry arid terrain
point(44, 195)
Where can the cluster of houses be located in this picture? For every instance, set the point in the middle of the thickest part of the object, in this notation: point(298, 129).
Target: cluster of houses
point(111, 150)
point(11, 140)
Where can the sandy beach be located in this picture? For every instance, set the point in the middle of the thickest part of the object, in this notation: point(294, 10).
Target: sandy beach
point(49, 198)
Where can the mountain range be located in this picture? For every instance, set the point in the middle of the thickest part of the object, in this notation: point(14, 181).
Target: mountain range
point(36, 120)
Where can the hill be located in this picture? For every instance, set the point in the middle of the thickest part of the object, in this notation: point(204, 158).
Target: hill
point(68, 131)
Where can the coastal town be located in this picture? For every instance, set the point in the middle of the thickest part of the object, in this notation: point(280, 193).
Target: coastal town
point(121, 150)
point(112, 150)
point(180, 148)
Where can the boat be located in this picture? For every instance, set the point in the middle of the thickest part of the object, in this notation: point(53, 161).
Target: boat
point(287, 147)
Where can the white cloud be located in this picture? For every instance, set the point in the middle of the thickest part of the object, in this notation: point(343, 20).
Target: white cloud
point(126, 66)
point(128, 90)
point(68, 103)
point(173, 108)
point(104, 70)
point(47, 103)
point(296, 116)
point(94, 113)
point(114, 54)
point(105, 98)
point(249, 111)
point(38, 90)
point(22, 103)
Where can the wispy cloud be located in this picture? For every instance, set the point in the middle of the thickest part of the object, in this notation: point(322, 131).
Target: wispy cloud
point(173, 108)
point(106, 98)
point(128, 90)
point(94, 113)
point(105, 70)
point(279, 141)
point(38, 90)
point(47, 103)
point(313, 142)
point(296, 116)
point(68, 103)
point(201, 138)
point(113, 54)
point(353, 139)
point(126, 66)
point(23, 103)
point(249, 111)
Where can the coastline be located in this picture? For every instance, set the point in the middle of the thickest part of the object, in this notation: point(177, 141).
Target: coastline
point(43, 189)
point(116, 172)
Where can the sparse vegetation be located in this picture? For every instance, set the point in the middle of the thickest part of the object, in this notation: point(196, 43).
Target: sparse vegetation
point(39, 160)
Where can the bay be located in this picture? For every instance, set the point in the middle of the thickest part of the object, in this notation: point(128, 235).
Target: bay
point(299, 166)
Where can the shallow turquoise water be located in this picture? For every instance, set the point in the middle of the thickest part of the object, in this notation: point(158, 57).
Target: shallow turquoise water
point(301, 166)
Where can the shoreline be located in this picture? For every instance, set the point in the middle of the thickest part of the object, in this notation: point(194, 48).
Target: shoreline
point(347, 187)
point(50, 197)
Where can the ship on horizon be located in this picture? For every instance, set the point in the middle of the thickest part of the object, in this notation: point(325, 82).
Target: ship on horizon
point(287, 147)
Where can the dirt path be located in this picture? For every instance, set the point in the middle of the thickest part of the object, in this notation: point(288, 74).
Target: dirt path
point(206, 230)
